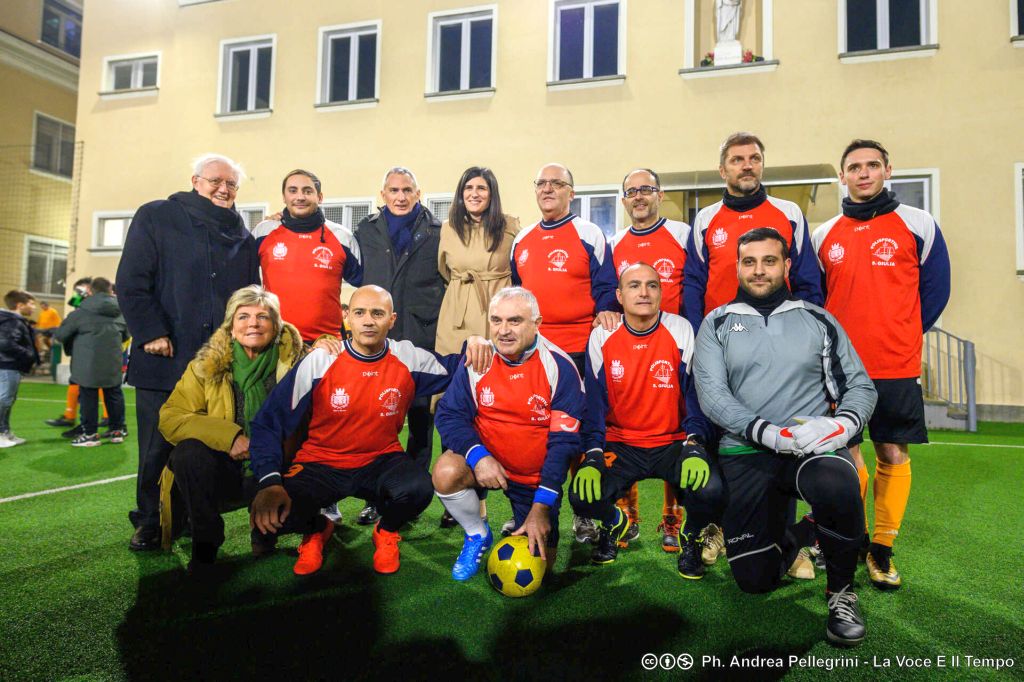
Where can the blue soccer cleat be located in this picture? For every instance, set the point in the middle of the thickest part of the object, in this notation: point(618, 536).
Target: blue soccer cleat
point(473, 549)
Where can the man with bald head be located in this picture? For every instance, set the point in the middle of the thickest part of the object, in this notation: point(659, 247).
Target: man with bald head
point(358, 401)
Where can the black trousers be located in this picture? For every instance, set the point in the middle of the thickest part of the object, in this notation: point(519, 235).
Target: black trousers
point(153, 454)
point(420, 444)
point(113, 398)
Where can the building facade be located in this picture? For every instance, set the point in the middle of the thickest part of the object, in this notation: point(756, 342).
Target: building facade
point(349, 89)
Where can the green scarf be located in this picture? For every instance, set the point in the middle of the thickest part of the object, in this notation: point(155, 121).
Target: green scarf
point(250, 375)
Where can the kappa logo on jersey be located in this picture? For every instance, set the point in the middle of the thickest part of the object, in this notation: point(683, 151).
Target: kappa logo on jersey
point(340, 400)
point(836, 253)
point(719, 238)
point(487, 397)
point(389, 400)
point(280, 250)
point(737, 327)
point(323, 256)
point(618, 371)
point(538, 408)
point(665, 269)
point(523, 256)
point(884, 250)
point(558, 258)
point(622, 267)
point(662, 371)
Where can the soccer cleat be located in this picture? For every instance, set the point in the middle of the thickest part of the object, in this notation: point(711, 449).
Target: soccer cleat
point(115, 435)
point(845, 624)
point(508, 527)
point(802, 567)
point(74, 432)
point(882, 572)
point(818, 555)
point(632, 533)
point(332, 512)
point(691, 564)
point(606, 547)
point(714, 544)
point(385, 556)
point(669, 529)
point(144, 540)
point(60, 421)
point(86, 441)
point(468, 562)
point(8, 435)
point(262, 545)
point(6, 442)
point(311, 550)
point(584, 529)
point(368, 516)
point(447, 520)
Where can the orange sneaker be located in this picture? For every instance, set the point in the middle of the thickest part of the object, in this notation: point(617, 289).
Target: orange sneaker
point(385, 556)
point(311, 551)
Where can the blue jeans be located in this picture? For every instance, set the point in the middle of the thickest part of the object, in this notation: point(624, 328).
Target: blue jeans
point(9, 380)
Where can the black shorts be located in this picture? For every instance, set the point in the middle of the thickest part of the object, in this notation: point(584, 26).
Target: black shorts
point(630, 464)
point(899, 413)
point(521, 497)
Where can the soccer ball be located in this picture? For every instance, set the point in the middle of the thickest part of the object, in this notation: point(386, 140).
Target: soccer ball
point(511, 568)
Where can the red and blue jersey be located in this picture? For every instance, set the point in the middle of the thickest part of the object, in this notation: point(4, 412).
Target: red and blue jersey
point(663, 247)
point(639, 390)
point(567, 264)
point(525, 414)
point(357, 405)
point(305, 270)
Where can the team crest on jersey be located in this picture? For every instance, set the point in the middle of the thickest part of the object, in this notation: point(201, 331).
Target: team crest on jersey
point(538, 408)
point(280, 250)
point(323, 256)
point(390, 398)
point(836, 253)
point(884, 250)
point(339, 400)
point(719, 238)
point(622, 267)
point(662, 371)
point(487, 397)
point(523, 256)
point(665, 269)
point(618, 371)
point(558, 258)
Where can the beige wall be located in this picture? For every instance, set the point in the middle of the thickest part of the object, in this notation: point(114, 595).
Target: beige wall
point(936, 112)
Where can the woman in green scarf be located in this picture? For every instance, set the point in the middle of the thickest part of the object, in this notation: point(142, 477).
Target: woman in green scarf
point(208, 415)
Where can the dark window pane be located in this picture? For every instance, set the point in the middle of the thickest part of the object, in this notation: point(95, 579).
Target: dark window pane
point(263, 58)
point(239, 99)
point(904, 23)
point(570, 43)
point(861, 25)
point(606, 40)
point(450, 58)
point(51, 28)
point(149, 74)
point(67, 157)
point(47, 144)
point(602, 214)
point(340, 68)
point(35, 273)
point(58, 271)
point(72, 36)
point(1020, 17)
point(122, 76)
point(911, 193)
point(480, 53)
point(366, 86)
point(575, 206)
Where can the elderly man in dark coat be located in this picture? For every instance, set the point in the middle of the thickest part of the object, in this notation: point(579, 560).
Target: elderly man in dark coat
point(183, 258)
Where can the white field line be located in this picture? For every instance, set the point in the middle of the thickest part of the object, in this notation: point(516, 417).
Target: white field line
point(976, 445)
point(67, 487)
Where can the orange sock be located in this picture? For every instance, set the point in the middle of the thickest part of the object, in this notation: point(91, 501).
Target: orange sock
point(892, 490)
point(670, 507)
point(103, 404)
point(862, 474)
point(71, 410)
point(630, 504)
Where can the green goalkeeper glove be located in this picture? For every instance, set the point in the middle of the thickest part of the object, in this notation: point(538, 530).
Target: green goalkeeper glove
point(694, 473)
point(587, 484)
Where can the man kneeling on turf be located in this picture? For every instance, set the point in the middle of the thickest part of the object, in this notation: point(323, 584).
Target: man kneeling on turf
point(643, 421)
point(357, 401)
point(514, 427)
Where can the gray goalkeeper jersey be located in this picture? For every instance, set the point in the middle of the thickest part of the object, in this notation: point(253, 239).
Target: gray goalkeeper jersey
point(798, 363)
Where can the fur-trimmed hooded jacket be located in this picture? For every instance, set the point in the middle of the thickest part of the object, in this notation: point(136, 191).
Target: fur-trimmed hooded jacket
point(203, 404)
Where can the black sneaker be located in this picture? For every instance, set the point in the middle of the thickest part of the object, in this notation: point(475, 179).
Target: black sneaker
point(144, 540)
point(606, 547)
point(691, 560)
point(73, 433)
point(115, 435)
point(819, 556)
point(845, 624)
point(368, 516)
point(447, 520)
point(60, 421)
point(86, 441)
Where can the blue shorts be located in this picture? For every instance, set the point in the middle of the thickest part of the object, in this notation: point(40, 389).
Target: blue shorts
point(521, 497)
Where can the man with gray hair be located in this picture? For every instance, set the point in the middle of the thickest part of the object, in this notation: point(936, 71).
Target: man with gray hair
point(399, 250)
point(514, 426)
point(183, 257)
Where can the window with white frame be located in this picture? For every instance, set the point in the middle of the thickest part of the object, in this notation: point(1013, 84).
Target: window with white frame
point(349, 57)
point(347, 213)
point(601, 209)
point(1018, 184)
point(252, 215)
point(247, 75)
point(109, 230)
point(440, 205)
point(46, 266)
point(913, 191)
point(886, 24)
point(131, 73)
point(54, 148)
point(587, 39)
point(62, 27)
point(1017, 12)
point(462, 50)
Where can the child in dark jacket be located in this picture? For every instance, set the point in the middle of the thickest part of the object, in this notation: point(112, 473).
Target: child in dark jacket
point(17, 356)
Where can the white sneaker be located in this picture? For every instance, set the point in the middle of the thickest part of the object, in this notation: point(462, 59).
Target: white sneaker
point(14, 439)
point(5, 440)
point(332, 512)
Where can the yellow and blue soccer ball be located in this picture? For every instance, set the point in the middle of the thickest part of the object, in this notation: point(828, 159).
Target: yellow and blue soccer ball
point(511, 568)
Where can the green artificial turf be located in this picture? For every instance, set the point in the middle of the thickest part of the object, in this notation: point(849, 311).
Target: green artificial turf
point(76, 604)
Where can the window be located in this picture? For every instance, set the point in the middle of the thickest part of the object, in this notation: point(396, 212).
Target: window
point(46, 266)
point(461, 50)
point(131, 73)
point(588, 39)
point(54, 150)
point(1018, 192)
point(62, 27)
point(914, 192)
point(109, 230)
point(348, 63)
point(347, 213)
point(440, 205)
point(252, 215)
point(600, 209)
point(247, 75)
point(1017, 18)
point(887, 24)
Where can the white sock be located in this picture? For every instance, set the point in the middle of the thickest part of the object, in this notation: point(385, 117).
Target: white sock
point(464, 506)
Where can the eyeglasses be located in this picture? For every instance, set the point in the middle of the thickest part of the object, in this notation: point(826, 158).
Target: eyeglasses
point(642, 190)
point(231, 185)
point(553, 184)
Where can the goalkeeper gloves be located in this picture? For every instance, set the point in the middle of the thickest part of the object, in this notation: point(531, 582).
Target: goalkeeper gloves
point(773, 437)
point(823, 434)
point(587, 483)
point(694, 473)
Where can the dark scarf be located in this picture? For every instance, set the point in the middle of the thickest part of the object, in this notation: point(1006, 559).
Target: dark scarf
point(224, 223)
point(250, 375)
point(743, 204)
point(314, 221)
point(765, 305)
point(883, 202)
point(400, 228)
